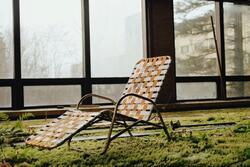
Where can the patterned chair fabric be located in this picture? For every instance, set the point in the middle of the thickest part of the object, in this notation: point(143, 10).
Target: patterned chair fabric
point(146, 80)
point(61, 128)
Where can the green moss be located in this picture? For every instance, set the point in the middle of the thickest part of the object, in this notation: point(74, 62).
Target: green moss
point(242, 129)
point(219, 147)
point(246, 153)
point(210, 119)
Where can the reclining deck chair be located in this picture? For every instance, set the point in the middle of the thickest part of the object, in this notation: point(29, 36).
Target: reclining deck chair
point(136, 105)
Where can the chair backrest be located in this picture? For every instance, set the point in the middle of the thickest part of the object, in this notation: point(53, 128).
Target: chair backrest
point(146, 80)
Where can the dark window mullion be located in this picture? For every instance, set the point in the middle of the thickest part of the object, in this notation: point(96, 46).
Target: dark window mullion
point(6, 82)
point(87, 84)
point(53, 81)
point(122, 80)
point(17, 87)
point(221, 45)
point(237, 78)
point(196, 79)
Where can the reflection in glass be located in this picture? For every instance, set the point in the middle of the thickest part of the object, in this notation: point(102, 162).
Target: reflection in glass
point(237, 39)
point(5, 97)
point(238, 89)
point(194, 43)
point(51, 38)
point(51, 95)
point(113, 91)
point(115, 36)
point(6, 40)
point(196, 90)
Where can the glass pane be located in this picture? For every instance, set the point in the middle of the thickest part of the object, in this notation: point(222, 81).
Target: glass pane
point(6, 39)
point(5, 97)
point(113, 91)
point(194, 42)
point(238, 89)
point(199, 90)
point(51, 95)
point(51, 38)
point(237, 39)
point(115, 36)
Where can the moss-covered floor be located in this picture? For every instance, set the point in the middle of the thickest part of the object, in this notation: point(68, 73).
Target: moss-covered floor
point(221, 147)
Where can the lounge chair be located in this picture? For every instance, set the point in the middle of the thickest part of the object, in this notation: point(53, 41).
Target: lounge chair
point(136, 105)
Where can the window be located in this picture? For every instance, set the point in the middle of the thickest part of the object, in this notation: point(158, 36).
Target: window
point(238, 89)
point(54, 41)
point(116, 36)
point(248, 36)
point(185, 49)
point(51, 39)
point(211, 44)
point(237, 25)
point(197, 90)
point(51, 95)
point(5, 97)
point(192, 26)
point(6, 40)
point(113, 91)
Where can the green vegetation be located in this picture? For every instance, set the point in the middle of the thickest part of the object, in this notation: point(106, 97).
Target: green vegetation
point(219, 147)
point(12, 132)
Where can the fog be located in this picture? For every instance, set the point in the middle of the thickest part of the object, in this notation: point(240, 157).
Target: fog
point(116, 36)
point(52, 38)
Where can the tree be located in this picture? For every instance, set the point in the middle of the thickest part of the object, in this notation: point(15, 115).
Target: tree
point(2, 55)
point(193, 22)
point(195, 28)
point(3, 58)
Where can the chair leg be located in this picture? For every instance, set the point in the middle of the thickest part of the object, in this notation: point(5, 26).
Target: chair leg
point(124, 130)
point(116, 135)
point(164, 127)
point(69, 141)
point(109, 137)
point(95, 120)
point(126, 126)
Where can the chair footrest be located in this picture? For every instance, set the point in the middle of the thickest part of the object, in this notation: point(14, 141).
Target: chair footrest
point(62, 128)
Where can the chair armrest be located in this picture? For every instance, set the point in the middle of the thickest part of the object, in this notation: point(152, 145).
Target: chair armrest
point(94, 95)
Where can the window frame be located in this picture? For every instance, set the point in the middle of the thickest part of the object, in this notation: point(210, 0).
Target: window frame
point(17, 83)
point(223, 78)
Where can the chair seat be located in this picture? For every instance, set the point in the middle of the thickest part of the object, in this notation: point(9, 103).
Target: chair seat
point(62, 128)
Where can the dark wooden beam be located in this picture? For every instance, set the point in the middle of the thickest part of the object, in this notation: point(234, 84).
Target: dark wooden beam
point(160, 41)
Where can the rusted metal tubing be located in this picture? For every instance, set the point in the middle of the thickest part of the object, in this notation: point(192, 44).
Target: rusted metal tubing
point(178, 125)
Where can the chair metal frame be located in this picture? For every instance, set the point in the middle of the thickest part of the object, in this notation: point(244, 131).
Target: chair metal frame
point(136, 121)
point(115, 119)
